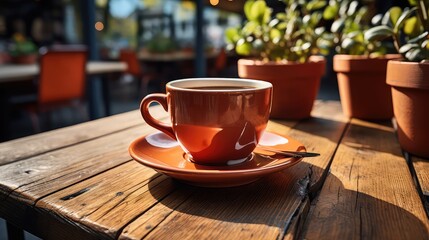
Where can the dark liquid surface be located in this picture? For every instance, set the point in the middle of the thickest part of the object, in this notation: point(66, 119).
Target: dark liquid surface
point(222, 87)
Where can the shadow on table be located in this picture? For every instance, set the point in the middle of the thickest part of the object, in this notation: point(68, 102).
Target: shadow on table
point(273, 201)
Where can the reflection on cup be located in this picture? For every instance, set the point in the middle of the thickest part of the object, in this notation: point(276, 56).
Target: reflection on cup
point(214, 120)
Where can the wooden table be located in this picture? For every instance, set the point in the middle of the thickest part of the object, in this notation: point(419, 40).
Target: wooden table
point(22, 72)
point(79, 182)
point(175, 56)
point(15, 73)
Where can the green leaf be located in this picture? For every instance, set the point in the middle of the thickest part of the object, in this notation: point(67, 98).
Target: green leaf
point(338, 25)
point(231, 35)
point(357, 49)
point(411, 26)
point(249, 28)
point(258, 45)
point(395, 13)
point(319, 31)
point(419, 38)
point(348, 43)
point(415, 55)
point(344, 7)
point(243, 47)
point(257, 11)
point(273, 22)
point(275, 33)
point(378, 33)
point(281, 26)
point(330, 12)
point(361, 15)
point(425, 44)
point(247, 7)
point(386, 19)
point(306, 19)
point(315, 5)
point(315, 18)
point(305, 46)
point(376, 20)
point(352, 8)
point(324, 51)
point(267, 15)
point(412, 2)
point(407, 47)
point(356, 36)
point(401, 20)
point(291, 27)
point(281, 16)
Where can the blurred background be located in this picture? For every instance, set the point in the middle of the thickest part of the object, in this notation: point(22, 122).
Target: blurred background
point(162, 34)
point(167, 39)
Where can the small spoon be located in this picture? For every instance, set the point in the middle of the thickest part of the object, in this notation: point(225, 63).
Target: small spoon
point(294, 154)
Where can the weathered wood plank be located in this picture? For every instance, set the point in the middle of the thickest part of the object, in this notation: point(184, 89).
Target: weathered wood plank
point(421, 166)
point(45, 178)
point(296, 225)
point(265, 215)
point(43, 174)
point(108, 218)
point(110, 200)
point(154, 216)
point(369, 192)
point(261, 210)
point(420, 171)
point(321, 134)
point(48, 141)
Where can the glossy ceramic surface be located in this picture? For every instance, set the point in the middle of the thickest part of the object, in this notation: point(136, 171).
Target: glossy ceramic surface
point(163, 154)
point(221, 122)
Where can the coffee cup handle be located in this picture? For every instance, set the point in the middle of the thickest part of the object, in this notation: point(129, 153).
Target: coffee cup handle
point(144, 110)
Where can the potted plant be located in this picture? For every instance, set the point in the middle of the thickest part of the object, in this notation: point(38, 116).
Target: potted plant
point(409, 78)
point(360, 64)
point(22, 50)
point(282, 50)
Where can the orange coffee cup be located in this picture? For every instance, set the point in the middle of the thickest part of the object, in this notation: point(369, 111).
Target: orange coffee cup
point(216, 121)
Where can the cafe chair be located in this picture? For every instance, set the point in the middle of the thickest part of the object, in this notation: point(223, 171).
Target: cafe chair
point(135, 69)
point(61, 83)
point(216, 69)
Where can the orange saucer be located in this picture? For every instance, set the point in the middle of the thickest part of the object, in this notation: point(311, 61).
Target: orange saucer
point(160, 152)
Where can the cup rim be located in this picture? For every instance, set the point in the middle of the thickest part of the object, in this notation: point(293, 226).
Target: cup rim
point(255, 84)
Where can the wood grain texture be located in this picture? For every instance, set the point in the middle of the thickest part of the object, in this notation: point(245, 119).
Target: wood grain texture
point(421, 167)
point(369, 192)
point(43, 174)
point(108, 201)
point(321, 134)
point(261, 210)
point(240, 212)
point(33, 145)
point(295, 227)
point(92, 189)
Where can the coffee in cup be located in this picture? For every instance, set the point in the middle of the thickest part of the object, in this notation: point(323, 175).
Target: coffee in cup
point(215, 120)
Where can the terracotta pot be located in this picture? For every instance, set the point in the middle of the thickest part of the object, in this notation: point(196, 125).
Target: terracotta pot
point(295, 85)
point(410, 94)
point(362, 85)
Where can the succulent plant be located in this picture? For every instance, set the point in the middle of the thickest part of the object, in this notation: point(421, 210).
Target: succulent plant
point(288, 36)
point(21, 46)
point(350, 21)
point(409, 29)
